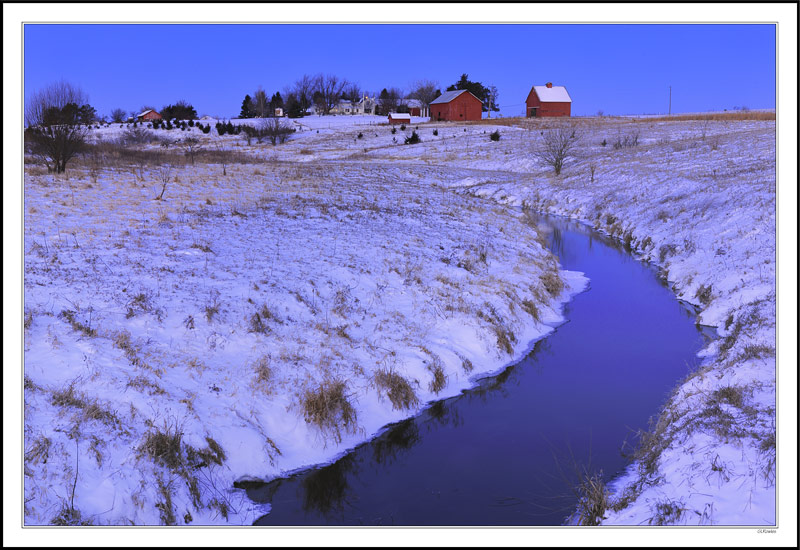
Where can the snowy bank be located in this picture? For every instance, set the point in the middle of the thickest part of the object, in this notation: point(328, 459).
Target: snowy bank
point(259, 318)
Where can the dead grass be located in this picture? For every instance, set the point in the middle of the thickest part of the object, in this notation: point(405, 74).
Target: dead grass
point(729, 115)
point(593, 499)
point(398, 389)
point(328, 407)
point(263, 372)
point(552, 283)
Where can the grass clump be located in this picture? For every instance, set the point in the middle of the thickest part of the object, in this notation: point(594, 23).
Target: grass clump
point(552, 283)
point(593, 499)
point(667, 512)
point(328, 407)
point(70, 316)
point(400, 392)
point(531, 309)
point(164, 447)
point(703, 294)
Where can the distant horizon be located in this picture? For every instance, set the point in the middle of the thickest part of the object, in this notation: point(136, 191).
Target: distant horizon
point(617, 69)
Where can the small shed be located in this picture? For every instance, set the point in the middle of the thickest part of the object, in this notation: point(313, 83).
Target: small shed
point(148, 115)
point(548, 100)
point(399, 118)
point(459, 105)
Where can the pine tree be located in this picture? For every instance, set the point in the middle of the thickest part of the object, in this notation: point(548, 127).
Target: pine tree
point(247, 108)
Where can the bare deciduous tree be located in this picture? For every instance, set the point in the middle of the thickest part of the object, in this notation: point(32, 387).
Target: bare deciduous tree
point(330, 88)
point(53, 131)
point(260, 102)
point(276, 130)
point(557, 145)
point(118, 115)
point(191, 147)
point(424, 91)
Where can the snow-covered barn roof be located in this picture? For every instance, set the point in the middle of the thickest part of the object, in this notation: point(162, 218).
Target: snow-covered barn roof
point(400, 115)
point(556, 94)
point(145, 112)
point(447, 97)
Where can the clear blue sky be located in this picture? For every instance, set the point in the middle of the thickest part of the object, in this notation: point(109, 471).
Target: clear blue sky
point(619, 69)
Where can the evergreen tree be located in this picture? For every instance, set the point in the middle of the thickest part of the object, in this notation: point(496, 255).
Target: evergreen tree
point(275, 103)
point(247, 108)
point(475, 88)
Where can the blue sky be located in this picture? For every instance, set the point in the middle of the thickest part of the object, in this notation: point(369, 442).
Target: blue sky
point(619, 69)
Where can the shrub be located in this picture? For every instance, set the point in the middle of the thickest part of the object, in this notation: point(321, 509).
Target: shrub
point(413, 138)
point(394, 130)
point(403, 127)
point(556, 147)
point(436, 132)
point(495, 136)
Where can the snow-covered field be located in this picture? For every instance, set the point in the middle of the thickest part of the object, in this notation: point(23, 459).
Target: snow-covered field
point(270, 314)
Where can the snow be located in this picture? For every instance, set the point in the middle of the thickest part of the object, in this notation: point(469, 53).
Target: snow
point(332, 256)
point(552, 94)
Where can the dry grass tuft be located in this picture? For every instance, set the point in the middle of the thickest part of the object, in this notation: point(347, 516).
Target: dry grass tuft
point(593, 499)
point(552, 283)
point(400, 392)
point(328, 408)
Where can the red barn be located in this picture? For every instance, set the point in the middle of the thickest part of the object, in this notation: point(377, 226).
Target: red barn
point(457, 105)
point(148, 115)
point(399, 118)
point(548, 100)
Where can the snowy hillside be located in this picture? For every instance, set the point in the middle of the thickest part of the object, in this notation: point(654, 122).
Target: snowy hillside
point(280, 304)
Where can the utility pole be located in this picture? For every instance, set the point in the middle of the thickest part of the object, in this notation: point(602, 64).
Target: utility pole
point(670, 100)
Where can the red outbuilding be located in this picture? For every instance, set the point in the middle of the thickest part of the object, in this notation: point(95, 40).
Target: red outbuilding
point(457, 105)
point(399, 118)
point(148, 115)
point(548, 100)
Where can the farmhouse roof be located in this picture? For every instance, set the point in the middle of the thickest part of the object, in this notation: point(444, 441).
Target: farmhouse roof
point(447, 97)
point(556, 94)
point(145, 112)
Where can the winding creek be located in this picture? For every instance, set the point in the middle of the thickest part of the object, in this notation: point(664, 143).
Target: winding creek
point(506, 451)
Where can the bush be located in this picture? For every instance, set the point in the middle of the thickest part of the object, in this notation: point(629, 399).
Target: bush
point(436, 132)
point(413, 138)
point(360, 135)
point(394, 130)
point(495, 136)
point(557, 146)
point(403, 127)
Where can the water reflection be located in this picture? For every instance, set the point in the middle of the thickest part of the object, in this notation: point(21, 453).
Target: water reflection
point(400, 437)
point(325, 490)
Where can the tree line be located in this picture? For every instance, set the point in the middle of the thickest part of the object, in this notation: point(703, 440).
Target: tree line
point(325, 91)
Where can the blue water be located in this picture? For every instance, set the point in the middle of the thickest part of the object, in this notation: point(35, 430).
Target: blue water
point(506, 452)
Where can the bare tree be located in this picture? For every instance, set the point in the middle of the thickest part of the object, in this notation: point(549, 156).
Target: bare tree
point(164, 176)
point(389, 100)
point(260, 102)
point(557, 145)
point(118, 115)
point(191, 147)
point(303, 90)
point(424, 91)
point(330, 88)
point(352, 92)
point(276, 130)
point(52, 117)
